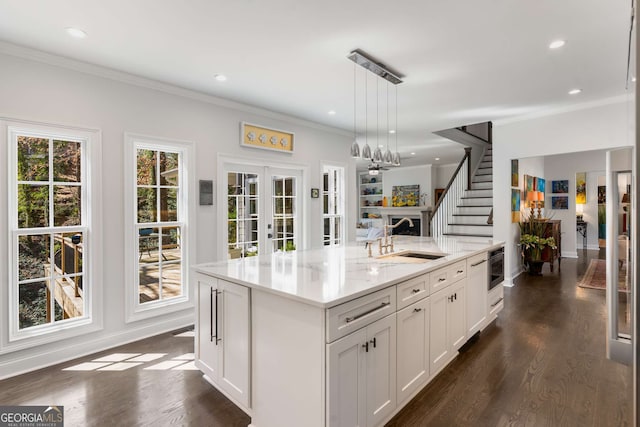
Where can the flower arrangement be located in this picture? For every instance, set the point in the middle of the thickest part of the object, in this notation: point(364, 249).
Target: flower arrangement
point(533, 240)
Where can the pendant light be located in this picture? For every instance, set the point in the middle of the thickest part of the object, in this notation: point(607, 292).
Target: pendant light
point(388, 156)
point(366, 150)
point(381, 71)
point(377, 154)
point(396, 155)
point(355, 148)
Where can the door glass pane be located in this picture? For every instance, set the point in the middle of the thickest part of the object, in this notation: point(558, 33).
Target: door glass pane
point(242, 214)
point(33, 159)
point(66, 161)
point(283, 208)
point(624, 242)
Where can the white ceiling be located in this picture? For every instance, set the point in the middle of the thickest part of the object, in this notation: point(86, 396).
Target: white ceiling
point(463, 62)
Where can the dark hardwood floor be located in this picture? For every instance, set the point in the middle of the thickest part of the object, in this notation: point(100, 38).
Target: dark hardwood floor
point(542, 363)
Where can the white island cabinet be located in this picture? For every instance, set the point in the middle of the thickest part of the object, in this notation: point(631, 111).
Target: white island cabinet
point(333, 338)
point(222, 337)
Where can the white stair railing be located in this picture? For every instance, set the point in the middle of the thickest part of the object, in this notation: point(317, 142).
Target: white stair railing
point(451, 198)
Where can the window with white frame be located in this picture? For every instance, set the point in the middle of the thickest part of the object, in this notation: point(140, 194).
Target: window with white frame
point(333, 205)
point(157, 213)
point(52, 238)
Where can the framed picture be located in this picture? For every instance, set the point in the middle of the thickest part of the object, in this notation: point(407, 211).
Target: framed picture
point(561, 186)
point(560, 202)
point(255, 136)
point(515, 205)
point(514, 173)
point(405, 195)
point(602, 194)
point(581, 188)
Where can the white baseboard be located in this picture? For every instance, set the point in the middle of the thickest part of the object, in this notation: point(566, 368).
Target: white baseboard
point(39, 358)
point(573, 254)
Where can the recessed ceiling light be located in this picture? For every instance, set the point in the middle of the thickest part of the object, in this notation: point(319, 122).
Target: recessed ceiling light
point(392, 131)
point(575, 91)
point(331, 113)
point(437, 158)
point(76, 32)
point(220, 77)
point(413, 153)
point(556, 44)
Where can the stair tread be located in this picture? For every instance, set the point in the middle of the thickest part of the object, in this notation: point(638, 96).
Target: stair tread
point(475, 206)
point(467, 235)
point(470, 225)
point(477, 197)
point(470, 214)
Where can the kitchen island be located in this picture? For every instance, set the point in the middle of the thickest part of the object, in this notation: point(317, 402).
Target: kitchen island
point(333, 337)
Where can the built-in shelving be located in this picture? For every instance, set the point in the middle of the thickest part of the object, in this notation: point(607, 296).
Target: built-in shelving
point(370, 200)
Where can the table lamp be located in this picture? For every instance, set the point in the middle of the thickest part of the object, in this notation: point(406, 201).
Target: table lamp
point(540, 199)
point(532, 198)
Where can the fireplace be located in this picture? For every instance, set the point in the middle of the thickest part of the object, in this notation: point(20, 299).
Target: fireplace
point(404, 229)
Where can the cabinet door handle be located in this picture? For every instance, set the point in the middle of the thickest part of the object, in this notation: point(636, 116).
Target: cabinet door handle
point(373, 341)
point(460, 271)
point(415, 291)
point(366, 346)
point(217, 336)
point(497, 302)
point(478, 263)
point(380, 307)
point(417, 310)
point(450, 298)
point(442, 279)
point(211, 314)
point(455, 296)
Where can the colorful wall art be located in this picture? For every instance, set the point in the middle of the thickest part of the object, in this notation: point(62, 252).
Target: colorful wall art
point(581, 188)
point(405, 195)
point(515, 205)
point(561, 186)
point(560, 202)
point(514, 173)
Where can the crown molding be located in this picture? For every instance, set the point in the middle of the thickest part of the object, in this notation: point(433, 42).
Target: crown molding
point(566, 109)
point(135, 80)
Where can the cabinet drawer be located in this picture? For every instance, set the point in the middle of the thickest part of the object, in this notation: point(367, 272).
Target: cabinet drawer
point(495, 301)
point(445, 276)
point(353, 315)
point(412, 290)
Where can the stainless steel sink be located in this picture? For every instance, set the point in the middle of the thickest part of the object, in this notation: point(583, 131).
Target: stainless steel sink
point(410, 256)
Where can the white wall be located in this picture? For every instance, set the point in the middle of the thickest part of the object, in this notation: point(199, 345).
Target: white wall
point(59, 94)
point(408, 175)
point(565, 167)
point(594, 127)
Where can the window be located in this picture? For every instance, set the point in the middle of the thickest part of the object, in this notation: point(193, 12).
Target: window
point(333, 205)
point(52, 277)
point(242, 216)
point(157, 215)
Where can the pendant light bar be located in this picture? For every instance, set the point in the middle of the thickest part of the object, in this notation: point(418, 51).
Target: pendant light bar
point(365, 61)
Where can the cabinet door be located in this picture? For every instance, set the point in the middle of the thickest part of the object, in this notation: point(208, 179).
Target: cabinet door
point(477, 291)
point(456, 318)
point(233, 335)
point(206, 348)
point(381, 370)
point(412, 348)
point(439, 348)
point(346, 380)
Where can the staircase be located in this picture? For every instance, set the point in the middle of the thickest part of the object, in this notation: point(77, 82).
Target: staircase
point(471, 215)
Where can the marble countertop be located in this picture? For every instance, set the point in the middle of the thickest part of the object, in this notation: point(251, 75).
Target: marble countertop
point(330, 276)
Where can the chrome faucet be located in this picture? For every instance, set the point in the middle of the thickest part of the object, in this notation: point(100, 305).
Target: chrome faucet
point(388, 242)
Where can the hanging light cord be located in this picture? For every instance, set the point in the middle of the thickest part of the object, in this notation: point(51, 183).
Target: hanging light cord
point(396, 134)
point(387, 116)
point(355, 132)
point(377, 114)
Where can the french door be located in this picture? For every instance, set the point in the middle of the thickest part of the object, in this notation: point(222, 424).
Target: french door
point(620, 241)
point(263, 209)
